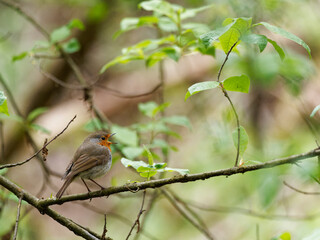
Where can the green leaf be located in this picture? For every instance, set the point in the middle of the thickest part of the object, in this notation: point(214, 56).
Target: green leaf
point(244, 140)
point(132, 152)
point(192, 12)
point(269, 188)
point(150, 157)
point(178, 120)
point(208, 38)
point(135, 164)
point(315, 110)
point(167, 25)
point(237, 83)
point(20, 56)
point(178, 170)
point(277, 48)
point(125, 135)
point(257, 39)
point(148, 174)
point(198, 87)
point(239, 27)
point(285, 236)
point(154, 58)
point(148, 108)
point(71, 46)
point(94, 125)
point(39, 128)
point(128, 24)
point(286, 34)
point(162, 8)
point(160, 165)
point(172, 52)
point(76, 23)
point(36, 113)
point(160, 108)
point(122, 60)
point(12, 118)
point(3, 104)
point(60, 34)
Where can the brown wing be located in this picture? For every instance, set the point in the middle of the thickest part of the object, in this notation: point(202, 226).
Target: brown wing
point(86, 162)
point(87, 156)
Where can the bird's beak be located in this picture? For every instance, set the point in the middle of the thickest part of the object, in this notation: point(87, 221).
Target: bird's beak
point(112, 134)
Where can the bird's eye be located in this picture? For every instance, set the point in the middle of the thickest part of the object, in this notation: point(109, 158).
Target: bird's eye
point(103, 138)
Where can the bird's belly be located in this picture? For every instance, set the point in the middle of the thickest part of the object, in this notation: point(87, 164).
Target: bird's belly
point(96, 171)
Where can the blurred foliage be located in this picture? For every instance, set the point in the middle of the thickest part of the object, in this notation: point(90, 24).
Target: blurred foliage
point(154, 31)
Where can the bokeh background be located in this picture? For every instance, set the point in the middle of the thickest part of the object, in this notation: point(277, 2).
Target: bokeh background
point(275, 114)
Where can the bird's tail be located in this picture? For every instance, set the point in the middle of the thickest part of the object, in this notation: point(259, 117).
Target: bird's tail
point(69, 179)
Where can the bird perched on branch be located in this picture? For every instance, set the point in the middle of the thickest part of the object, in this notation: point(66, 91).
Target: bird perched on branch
point(91, 160)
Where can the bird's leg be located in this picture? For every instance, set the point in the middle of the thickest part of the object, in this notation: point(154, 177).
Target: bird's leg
point(86, 187)
point(96, 183)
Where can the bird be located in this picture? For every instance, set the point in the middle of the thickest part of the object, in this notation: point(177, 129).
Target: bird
point(91, 160)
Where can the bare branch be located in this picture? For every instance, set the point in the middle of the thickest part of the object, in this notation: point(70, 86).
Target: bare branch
point(300, 191)
point(18, 218)
point(137, 221)
point(249, 212)
point(104, 232)
point(181, 179)
point(44, 146)
point(186, 216)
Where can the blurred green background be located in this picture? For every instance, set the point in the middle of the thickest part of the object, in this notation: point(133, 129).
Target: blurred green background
point(275, 114)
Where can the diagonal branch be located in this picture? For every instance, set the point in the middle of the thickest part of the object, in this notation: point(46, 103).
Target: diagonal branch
point(36, 153)
point(18, 218)
point(32, 200)
point(180, 179)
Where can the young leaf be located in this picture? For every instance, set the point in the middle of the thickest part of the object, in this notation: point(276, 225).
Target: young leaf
point(60, 34)
point(71, 46)
point(147, 108)
point(285, 34)
point(150, 157)
point(257, 39)
point(3, 104)
point(208, 38)
point(178, 120)
point(191, 12)
point(37, 127)
point(135, 164)
point(20, 56)
point(239, 27)
point(160, 108)
point(122, 59)
point(154, 58)
point(95, 124)
point(125, 135)
point(237, 83)
point(132, 152)
point(277, 48)
point(198, 87)
point(315, 110)
point(76, 23)
point(178, 170)
point(244, 140)
point(36, 113)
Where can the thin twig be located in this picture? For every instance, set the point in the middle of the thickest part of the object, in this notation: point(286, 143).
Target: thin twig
point(104, 232)
point(137, 221)
point(251, 213)
point(185, 215)
point(231, 103)
point(18, 218)
point(300, 191)
point(44, 146)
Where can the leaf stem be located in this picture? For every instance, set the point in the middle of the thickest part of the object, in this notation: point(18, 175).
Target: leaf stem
point(231, 103)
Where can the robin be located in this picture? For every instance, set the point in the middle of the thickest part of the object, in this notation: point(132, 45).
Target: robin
point(91, 160)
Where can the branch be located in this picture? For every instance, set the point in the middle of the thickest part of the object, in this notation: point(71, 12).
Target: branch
point(198, 225)
point(18, 218)
point(300, 191)
point(137, 222)
point(32, 200)
point(36, 153)
point(249, 212)
point(180, 179)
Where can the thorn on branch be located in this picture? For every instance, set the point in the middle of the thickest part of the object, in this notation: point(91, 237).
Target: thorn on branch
point(45, 150)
